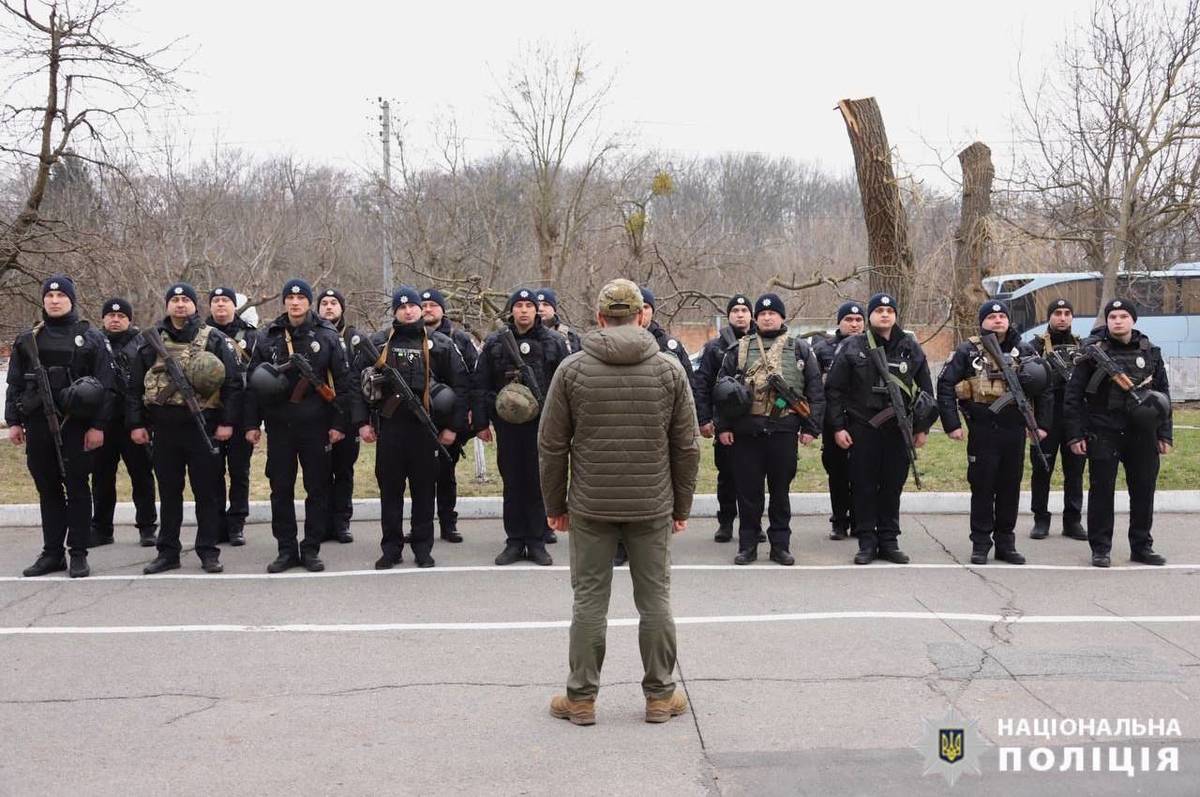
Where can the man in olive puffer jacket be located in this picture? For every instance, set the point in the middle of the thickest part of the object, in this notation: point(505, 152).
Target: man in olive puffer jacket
point(620, 419)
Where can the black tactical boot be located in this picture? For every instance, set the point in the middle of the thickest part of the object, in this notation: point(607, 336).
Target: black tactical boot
point(1041, 528)
point(450, 534)
point(836, 532)
point(285, 561)
point(424, 560)
point(622, 556)
point(46, 563)
point(237, 535)
point(865, 556)
point(762, 536)
point(79, 566)
point(1146, 557)
point(979, 556)
point(212, 564)
point(312, 562)
point(161, 564)
point(386, 562)
point(148, 537)
point(1101, 560)
point(100, 537)
point(539, 556)
point(724, 532)
point(782, 556)
point(1013, 557)
point(1074, 529)
point(894, 555)
point(513, 552)
point(746, 556)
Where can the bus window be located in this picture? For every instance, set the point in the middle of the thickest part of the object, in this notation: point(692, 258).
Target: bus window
point(1145, 292)
point(1189, 296)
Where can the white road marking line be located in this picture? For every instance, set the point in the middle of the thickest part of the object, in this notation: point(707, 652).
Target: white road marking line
point(355, 628)
point(563, 569)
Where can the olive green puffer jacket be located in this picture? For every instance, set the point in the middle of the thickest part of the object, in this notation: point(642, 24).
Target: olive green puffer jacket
point(619, 417)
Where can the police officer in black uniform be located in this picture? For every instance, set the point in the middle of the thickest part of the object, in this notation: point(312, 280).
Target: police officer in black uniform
point(547, 301)
point(495, 382)
point(342, 458)
point(855, 396)
point(741, 320)
point(430, 364)
point(834, 458)
point(433, 308)
point(303, 420)
point(1059, 345)
point(155, 410)
point(69, 350)
point(1110, 427)
point(123, 341)
point(764, 440)
point(235, 452)
point(971, 382)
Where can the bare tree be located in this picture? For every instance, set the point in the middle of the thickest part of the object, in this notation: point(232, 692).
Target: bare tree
point(1114, 164)
point(550, 105)
point(71, 90)
point(972, 237)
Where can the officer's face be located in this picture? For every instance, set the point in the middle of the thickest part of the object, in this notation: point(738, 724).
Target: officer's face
point(296, 305)
point(1060, 320)
point(181, 307)
point(883, 318)
point(995, 322)
point(768, 320)
point(647, 315)
point(330, 308)
point(116, 322)
point(1120, 323)
point(222, 309)
point(546, 311)
point(524, 312)
point(851, 324)
point(408, 312)
point(56, 304)
point(432, 312)
point(739, 317)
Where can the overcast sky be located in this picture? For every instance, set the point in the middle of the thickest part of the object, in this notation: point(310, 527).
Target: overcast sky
point(690, 78)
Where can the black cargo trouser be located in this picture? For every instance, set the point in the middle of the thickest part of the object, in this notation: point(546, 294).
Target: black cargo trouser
point(1039, 478)
point(995, 464)
point(517, 460)
point(878, 466)
point(406, 454)
point(234, 458)
point(342, 460)
point(771, 457)
point(447, 488)
point(179, 451)
point(66, 505)
point(117, 448)
point(305, 445)
point(1138, 452)
point(726, 484)
point(836, 461)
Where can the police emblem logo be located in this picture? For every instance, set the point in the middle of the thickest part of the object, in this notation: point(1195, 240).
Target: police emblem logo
point(295, 289)
point(885, 300)
point(241, 344)
point(524, 347)
point(354, 341)
point(995, 308)
point(429, 345)
point(116, 308)
point(178, 291)
point(403, 300)
point(766, 302)
point(315, 346)
point(524, 294)
point(329, 292)
point(856, 311)
point(1116, 304)
point(53, 286)
point(903, 367)
point(219, 292)
point(425, 295)
point(1015, 352)
point(1062, 302)
point(950, 744)
point(79, 340)
point(541, 297)
point(1141, 362)
point(741, 300)
point(672, 344)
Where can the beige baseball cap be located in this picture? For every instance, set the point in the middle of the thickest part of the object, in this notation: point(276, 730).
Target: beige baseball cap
point(619, 298)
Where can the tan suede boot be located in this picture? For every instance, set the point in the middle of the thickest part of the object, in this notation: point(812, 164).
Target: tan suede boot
point(661, 710)
point(579, 712)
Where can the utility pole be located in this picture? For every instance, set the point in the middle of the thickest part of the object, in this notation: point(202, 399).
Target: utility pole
point(385, 190)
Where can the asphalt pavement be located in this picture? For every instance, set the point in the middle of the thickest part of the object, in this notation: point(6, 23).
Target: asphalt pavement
point(816, 679)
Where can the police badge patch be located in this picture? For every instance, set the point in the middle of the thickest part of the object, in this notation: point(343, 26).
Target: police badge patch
point(951, 746)
point(315, 346)
point(79, 340)
point(672, 344)
point(524, 347)
point(1141, 361)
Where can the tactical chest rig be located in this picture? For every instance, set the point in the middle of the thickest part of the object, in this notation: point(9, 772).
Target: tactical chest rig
point(160, 391)
point(1060, 358)
point(1138, 364)
point(987, 385)
point(773, 376)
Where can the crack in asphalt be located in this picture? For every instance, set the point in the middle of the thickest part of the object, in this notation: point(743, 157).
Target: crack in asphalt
point(1150, 631)
point(45, 612)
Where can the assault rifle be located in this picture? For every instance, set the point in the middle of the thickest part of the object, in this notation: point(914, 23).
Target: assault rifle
point(1015, 394)
point(41, 381)
point(528, 377)
point(180, 384)
point(1138, 393)
point(308, 377)
point(403, 393)
point(897, 408)
point(788, 398)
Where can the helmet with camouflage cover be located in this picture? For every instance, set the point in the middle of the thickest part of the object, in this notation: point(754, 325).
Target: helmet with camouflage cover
point(515, 403)
point(206, 372)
